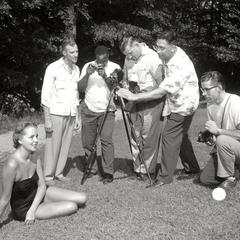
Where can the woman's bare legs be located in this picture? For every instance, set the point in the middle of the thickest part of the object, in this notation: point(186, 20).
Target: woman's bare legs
point(48, 210)
point(60, 202)
point(54, 194)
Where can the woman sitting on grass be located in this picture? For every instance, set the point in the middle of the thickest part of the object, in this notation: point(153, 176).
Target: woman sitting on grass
point(24, 186)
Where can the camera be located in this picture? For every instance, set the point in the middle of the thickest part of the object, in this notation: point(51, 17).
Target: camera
point(206, 137)
point(115, 78)
point(97, 67)
point(134, 87)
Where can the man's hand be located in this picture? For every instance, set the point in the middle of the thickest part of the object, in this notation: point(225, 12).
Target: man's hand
point(125, 93)
point(90, 69)
point(102, 73)
point(48, 126)
point(77, 124)
point(212, 127)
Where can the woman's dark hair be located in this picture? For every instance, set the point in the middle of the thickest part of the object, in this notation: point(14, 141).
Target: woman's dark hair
point(214, 76)
point(18, 132)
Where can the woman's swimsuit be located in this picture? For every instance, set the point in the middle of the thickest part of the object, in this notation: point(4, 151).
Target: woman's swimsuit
point(23, 194)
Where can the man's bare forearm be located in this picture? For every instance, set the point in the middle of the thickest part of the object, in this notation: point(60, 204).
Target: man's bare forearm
point(152, 95)
point(82, 84)
point(46, 111)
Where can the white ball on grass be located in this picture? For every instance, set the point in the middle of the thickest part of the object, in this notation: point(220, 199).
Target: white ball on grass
point(219, 194)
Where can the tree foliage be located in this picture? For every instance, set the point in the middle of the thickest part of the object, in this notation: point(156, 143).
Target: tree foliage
point(31, 32)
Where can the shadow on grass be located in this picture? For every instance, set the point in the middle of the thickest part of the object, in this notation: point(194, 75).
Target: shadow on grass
point(120, 164)
point(6, 221)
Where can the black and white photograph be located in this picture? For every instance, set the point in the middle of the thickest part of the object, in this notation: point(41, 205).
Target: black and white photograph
point(119, 120)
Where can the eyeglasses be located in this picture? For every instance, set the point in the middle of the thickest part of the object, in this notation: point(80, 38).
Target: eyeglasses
point(207, 89)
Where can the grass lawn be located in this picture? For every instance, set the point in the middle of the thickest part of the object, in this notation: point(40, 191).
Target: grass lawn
point(126, 210)
point(8, 123)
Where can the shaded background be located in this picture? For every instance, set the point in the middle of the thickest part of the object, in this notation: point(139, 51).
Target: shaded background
point(31, 33)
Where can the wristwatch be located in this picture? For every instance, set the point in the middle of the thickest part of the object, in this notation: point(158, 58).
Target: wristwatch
point(219, 131)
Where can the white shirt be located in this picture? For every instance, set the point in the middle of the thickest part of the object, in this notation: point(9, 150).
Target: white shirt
point(142, 71)
point(231, 118)
point(59, 91)
point(181, 84)
point(97, 92)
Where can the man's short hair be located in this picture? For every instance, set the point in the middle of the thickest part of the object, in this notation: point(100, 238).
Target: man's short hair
point(214, 76)
point(69, 40)
point(168, 35)
point(128, 41)
point(101, 50)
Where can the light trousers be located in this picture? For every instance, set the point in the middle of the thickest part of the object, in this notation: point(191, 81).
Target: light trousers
point(222, 164)
point(228, 152)
point(57, 145)
point(148, 123)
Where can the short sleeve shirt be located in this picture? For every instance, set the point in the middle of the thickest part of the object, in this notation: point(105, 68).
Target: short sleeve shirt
point(181, 85)
point(142, 71)
point(97, 92)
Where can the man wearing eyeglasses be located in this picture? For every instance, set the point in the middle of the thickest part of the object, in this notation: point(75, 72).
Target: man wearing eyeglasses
point(180, 86)
point(224, 123)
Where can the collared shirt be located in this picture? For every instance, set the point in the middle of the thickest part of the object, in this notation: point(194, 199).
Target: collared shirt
point(181, 84)
point(142, 71)
point(59, 91)
point(97, 92)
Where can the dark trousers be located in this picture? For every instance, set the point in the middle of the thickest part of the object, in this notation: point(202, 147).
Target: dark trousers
point(208, 175)
point(91, 122)
point(175, 143)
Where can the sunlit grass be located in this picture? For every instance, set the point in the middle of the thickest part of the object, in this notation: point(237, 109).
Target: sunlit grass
point(8, 123)
point(126, 210)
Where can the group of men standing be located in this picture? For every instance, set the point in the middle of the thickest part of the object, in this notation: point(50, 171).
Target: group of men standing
point(168, 96)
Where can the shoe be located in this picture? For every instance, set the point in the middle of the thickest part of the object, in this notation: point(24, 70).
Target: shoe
point(108, 178)
point(229, 183)
point(137, 176)
point(184, 172)
point(61, 178)
point(50, 182)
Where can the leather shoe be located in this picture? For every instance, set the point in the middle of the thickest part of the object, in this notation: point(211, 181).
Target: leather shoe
point(137, 176)
point(108, 178)
point(62, 178)
point(184, 172)
point(229, 183)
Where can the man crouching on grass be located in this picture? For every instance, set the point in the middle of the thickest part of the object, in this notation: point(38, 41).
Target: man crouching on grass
point(224, 123)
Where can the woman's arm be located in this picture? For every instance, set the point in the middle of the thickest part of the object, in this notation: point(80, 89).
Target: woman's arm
point(8, 177)
point(41, 191)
